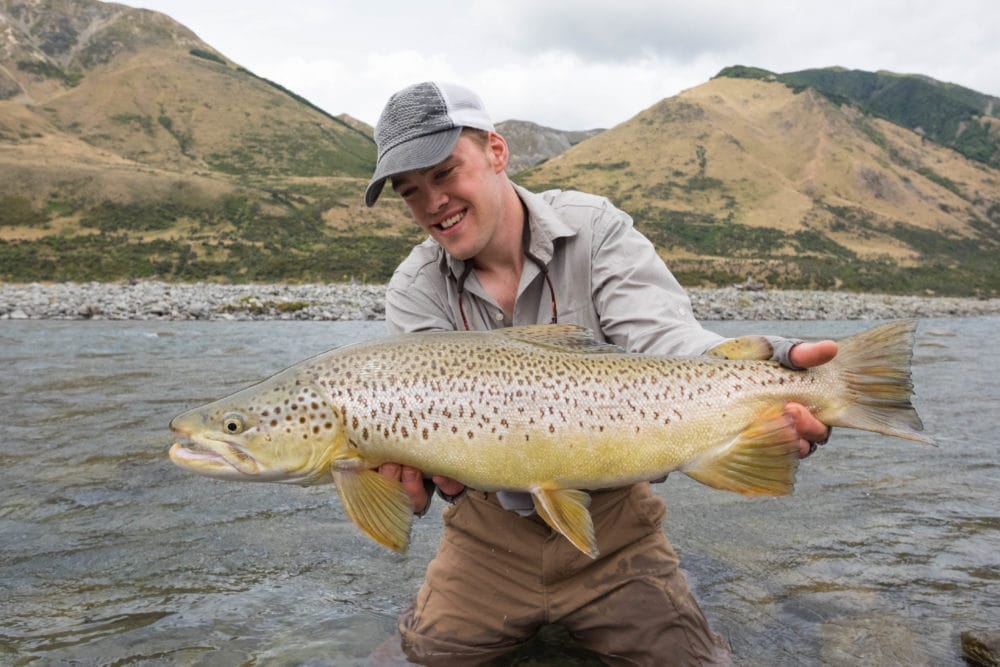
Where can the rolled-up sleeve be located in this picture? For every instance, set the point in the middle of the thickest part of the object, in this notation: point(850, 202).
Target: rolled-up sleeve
point(413, 304)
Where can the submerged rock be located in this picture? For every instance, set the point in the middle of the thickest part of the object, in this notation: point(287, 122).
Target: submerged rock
point(981, 648)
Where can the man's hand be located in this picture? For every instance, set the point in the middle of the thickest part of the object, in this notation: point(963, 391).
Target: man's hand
point(413, 483)
point(810, 429)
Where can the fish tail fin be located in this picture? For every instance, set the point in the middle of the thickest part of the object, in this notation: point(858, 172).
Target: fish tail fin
point(875, 364)
point(760, 461)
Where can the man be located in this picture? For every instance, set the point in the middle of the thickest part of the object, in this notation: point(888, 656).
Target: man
point(498, 255)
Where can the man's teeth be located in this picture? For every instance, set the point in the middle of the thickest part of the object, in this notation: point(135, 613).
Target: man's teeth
point(445, 224)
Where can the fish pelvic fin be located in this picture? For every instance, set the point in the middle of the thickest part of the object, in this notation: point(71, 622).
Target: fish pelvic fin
point(876, 367)
point(757, 348)
point(379, 506)
point(760, 461)
point(566, 512)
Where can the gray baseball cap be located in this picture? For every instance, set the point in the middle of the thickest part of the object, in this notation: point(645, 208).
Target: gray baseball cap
point(419, 128)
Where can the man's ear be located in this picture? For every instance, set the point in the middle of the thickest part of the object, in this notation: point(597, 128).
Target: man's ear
point(498, 151)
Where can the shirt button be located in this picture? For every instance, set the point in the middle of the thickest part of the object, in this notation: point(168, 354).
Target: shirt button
point(499, 316)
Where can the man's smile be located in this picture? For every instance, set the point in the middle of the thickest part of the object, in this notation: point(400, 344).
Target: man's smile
point(451, 221)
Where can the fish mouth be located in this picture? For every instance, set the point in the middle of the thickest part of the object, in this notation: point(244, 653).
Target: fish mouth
point(214, 458)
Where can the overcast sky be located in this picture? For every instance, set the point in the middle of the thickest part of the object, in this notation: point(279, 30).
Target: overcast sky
point(579, 64)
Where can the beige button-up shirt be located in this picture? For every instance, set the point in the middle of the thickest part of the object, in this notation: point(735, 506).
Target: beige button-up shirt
point(605, 275)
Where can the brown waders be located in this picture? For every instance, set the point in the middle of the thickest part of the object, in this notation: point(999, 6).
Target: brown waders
point(498, 577)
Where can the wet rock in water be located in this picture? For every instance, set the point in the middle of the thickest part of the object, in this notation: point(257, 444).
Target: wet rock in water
point(981, 648)
point(871, 638)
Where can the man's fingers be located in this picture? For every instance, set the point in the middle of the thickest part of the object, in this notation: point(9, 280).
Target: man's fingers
point(413, 484)
point(448, 486)
point(809, 428)
point(808, 355)
point(412, 481)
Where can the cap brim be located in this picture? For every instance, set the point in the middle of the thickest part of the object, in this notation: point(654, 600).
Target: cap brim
point(417, 153)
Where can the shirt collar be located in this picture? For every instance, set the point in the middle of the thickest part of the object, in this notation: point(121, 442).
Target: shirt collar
point(543, 222)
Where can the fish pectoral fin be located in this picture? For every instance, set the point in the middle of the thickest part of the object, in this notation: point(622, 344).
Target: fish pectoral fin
point(566, 512)
point(760, 461)
point(756, 348)
point(377, 505)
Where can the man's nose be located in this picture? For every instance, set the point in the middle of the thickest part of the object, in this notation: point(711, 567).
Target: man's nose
point(437, 198)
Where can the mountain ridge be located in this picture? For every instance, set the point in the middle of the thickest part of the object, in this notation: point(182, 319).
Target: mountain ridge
point(130, 148)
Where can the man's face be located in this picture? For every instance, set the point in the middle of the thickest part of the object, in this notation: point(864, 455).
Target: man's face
point(459, 202)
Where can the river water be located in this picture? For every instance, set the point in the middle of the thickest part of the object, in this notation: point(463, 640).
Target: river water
point(110, 555)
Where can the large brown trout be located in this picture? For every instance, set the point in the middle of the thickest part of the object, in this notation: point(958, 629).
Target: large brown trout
point(545, 410)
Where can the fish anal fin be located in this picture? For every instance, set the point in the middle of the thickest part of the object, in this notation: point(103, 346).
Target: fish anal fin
point(379, 506)
point(760, 461)
point(566, 512)
point(756, 348)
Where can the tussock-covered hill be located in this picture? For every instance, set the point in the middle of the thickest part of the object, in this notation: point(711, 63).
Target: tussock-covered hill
point(745, 177)
point(129, 147)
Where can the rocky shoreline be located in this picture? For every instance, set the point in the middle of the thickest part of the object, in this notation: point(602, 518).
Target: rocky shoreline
point(153, 300)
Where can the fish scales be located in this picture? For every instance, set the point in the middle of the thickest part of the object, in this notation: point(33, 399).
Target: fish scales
point(546, 410)
point(506, 421)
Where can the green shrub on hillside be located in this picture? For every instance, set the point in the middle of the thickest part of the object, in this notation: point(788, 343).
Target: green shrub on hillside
point(809, 241)
point(744, 72)
point(206, 55)
point(145, 123)
point(17, 211)
point(47, 70)
point(703, 234)
point(944, 113)
point(110, 217)
point(184, 138)
point(110, 257)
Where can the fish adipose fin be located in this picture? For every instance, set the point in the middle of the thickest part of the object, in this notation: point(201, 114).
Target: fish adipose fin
point(760, 461)
point(565, 510)
point(876, 367)
point(377, 505)
point(757, 348)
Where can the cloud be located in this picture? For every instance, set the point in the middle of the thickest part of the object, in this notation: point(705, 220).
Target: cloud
point(578, 64)
point(627, 30)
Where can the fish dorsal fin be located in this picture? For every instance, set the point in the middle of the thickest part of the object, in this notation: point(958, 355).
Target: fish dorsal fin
point(379, 506)
point(561, 337)
point(755, 348)
point(565, 511)
point(760, 461)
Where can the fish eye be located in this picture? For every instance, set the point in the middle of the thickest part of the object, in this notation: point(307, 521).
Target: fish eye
point(234, 423)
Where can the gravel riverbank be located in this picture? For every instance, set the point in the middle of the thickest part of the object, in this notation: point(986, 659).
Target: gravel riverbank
point(152, 300)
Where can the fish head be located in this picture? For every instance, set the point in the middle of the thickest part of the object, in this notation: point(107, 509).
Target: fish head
point(281, 430)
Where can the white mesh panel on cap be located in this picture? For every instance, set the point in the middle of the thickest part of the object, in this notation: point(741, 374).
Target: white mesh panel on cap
point(465, 108)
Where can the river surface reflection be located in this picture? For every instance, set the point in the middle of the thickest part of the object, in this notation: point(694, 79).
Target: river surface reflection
point(111, 555)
